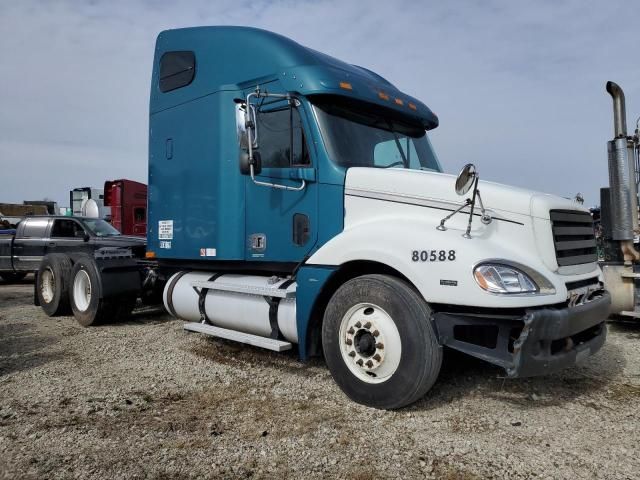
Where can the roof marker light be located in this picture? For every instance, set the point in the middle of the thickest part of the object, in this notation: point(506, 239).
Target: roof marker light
point(412, 106)
point(399, 101)
point(383, 96)
point(346, 85)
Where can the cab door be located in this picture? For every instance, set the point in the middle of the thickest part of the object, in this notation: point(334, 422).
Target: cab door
point(281, 225)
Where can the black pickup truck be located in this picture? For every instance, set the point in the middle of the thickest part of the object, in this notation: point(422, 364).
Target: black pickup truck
point(50, 245)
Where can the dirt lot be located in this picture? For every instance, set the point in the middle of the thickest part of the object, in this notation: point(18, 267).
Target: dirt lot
point(144, 399)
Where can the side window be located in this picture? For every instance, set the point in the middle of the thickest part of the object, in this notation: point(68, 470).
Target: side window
point(177, 70)
point(300, 153)
point(281, 139)
point(140, 214)
point(34, 227)
point(65, 229)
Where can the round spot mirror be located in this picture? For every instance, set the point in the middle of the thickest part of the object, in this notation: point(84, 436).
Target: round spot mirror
point(465, 179)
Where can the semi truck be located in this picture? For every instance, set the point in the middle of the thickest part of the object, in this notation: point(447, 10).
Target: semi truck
point(618, 216)
point(127, 201)
point(296, 201)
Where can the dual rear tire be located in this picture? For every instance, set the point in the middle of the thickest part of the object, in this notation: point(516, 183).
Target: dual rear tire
point(379, 343)
point(87, 304)
point(63, 288)
point(52, 284)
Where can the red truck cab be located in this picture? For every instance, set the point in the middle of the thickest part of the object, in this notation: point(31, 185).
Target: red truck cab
point(128, 202)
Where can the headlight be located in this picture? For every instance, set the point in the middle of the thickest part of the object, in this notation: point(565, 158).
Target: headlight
point(497, 278)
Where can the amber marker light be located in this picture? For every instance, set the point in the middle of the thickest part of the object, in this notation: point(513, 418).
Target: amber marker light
point(412, 106)
point(150, 255)
point(399, 101)
point(346, 85)
point(481, 280)
point(383, 96)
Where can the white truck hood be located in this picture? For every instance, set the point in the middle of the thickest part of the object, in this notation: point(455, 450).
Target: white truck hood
point(439, 188)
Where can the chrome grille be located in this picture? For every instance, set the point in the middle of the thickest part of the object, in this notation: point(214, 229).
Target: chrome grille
point(573, 236)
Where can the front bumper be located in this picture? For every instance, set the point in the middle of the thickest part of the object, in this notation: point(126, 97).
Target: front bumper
point(539, 342)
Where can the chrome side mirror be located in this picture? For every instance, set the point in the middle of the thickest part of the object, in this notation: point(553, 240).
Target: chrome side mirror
point(245, 120)
point(466, 178)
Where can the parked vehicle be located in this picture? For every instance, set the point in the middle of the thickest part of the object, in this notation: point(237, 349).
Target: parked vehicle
point(128, 203)
point(297, 200)
point(67, 238)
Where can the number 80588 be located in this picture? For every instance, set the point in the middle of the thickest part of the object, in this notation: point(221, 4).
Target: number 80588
point(433, 255)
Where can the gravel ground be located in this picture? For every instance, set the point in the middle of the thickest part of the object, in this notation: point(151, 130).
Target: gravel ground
point(144, 399)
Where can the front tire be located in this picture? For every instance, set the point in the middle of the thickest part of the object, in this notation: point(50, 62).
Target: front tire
point(378, 342)
point(52, 284)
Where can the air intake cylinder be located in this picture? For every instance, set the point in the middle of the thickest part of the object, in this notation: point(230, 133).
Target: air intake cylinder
point(621, 193)
point(622, 174)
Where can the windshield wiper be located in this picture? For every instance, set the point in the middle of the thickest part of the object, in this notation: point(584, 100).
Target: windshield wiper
point(395, 137)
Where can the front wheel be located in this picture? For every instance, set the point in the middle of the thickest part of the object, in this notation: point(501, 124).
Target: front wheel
point(379, 343)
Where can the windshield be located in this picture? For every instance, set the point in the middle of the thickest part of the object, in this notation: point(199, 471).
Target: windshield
point(360, 135)
point(100, 228)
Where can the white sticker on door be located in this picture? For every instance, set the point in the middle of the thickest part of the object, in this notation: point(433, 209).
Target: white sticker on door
point(165, 230)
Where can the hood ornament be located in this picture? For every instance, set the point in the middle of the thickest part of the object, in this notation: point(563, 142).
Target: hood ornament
point(467, 178)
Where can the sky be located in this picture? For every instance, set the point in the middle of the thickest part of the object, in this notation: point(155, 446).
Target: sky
point(518, 86)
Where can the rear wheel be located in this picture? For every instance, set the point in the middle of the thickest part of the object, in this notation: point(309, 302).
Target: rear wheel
point(89, 308)
point(379, 343)
point(52, 284)
point(12, 277)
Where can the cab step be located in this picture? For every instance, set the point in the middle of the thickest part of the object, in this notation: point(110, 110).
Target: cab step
point(249, 339)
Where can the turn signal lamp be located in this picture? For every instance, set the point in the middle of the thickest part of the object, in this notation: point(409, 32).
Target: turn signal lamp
point(503, 279)
point(150, 255)
point(346, 85)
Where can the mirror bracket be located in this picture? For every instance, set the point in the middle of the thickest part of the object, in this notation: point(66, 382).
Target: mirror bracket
point(467, 179)
point(251, 131)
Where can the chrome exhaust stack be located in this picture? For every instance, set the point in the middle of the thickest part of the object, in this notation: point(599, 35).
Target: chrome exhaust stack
point(622, 179)
point(619, 110)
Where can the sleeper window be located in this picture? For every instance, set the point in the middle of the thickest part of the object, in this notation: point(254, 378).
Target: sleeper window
point(177, 70)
